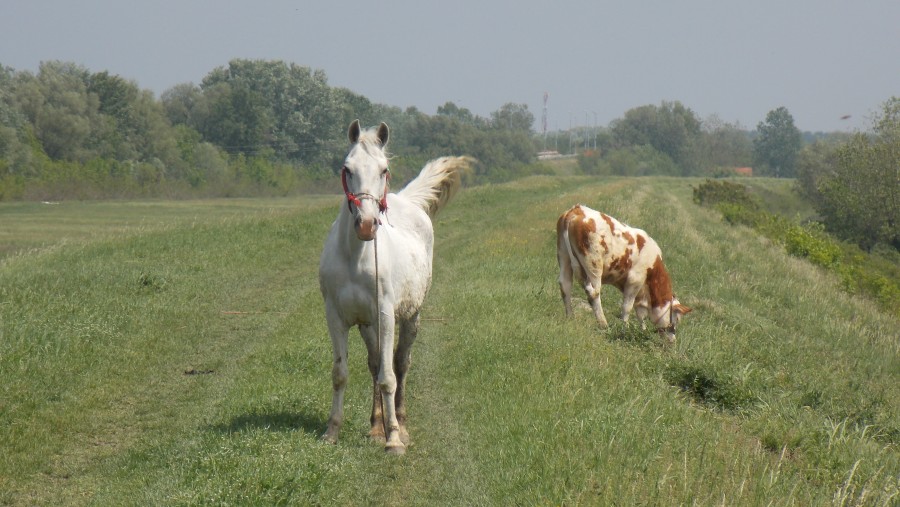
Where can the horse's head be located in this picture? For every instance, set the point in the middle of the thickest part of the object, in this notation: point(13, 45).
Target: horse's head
point(365, 178)
point(667, 319)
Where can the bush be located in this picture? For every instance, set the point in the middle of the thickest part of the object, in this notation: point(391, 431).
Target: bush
point(736, 214)
point(711, 192)
point(591, 162)
point(640, 161)
point(812, 243)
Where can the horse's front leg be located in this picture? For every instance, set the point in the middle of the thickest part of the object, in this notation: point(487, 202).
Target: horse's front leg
point(370, 338)
point(408, 331)
point(387, 381)
point(339, 373)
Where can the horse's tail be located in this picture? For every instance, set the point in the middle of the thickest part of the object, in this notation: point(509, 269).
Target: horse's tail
point(437, 183)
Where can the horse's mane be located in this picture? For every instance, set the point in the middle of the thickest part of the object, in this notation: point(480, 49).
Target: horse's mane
point(369, 142)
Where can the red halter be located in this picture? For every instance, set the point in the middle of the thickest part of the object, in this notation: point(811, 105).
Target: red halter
point(356, 199)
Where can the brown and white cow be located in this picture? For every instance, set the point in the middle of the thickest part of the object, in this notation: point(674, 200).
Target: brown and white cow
point(595, 249)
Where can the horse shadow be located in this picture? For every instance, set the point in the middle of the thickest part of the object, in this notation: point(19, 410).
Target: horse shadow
point(281, 421)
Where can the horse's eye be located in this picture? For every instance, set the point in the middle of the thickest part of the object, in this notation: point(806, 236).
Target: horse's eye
point(347, 172)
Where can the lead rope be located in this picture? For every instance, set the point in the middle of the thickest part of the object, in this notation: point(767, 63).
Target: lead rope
point(384, 426)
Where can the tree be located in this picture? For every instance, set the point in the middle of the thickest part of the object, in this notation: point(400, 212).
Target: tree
point(777, 144)
point(816, 163)
point(513, 117)
point(860, 199)
point(181, 103)
point(670, 128)
point(255, 106)
point(724, 145)
point(14, 154)
point(57, 105)
point(462, 114)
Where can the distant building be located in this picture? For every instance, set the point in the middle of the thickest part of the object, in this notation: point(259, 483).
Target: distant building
point(554, 155)
point(743, 171)
point(548, 155)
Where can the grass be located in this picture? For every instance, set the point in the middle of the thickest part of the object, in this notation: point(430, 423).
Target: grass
point(180, 357)
point(29, 226)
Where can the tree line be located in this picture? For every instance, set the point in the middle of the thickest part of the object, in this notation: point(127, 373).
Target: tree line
point(253, 127)
point(258, 127)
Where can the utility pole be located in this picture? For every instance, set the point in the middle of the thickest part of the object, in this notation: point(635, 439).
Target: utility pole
point(544, 119)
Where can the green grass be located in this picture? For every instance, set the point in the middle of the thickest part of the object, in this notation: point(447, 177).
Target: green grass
point(180, 356)
point(28, 226)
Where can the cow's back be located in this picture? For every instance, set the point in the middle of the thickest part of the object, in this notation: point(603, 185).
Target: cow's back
point(606, 249)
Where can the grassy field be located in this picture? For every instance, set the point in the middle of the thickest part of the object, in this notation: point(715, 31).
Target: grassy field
point(177, 354)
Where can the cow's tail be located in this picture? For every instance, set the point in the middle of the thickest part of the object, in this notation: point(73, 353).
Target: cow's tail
point(437, 183)
point(565, 252)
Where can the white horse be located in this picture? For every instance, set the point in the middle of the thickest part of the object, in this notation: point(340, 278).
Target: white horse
point(376, 269)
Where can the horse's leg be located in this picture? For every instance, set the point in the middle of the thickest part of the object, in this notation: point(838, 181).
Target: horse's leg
point(387, 381)
point(377, 417)
point(339, 373)
point(409, 328)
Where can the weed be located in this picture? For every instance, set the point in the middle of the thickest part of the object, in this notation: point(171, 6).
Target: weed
point(149, 282)
point(709, 387)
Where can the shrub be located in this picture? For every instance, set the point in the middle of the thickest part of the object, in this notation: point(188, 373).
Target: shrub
point(811, 242)
point(711, 192)
point(736, 214)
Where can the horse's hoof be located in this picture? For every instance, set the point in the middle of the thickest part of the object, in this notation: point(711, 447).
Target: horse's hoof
point(377, 435)
point(330, 437)
point(395, 449)
point(394, 445)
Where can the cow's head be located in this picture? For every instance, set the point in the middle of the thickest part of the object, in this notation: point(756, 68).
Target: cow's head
point(667, 317)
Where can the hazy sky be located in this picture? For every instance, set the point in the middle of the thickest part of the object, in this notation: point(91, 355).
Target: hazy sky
point(822, 59)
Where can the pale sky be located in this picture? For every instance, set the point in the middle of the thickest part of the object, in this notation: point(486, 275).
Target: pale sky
point(821, 59)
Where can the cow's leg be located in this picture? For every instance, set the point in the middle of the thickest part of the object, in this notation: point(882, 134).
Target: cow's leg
point(641, 311)
point(628, 296)
point(592, 289)
point(374, 356)
point(565, 274)
point(408, 331)
point(339, 373)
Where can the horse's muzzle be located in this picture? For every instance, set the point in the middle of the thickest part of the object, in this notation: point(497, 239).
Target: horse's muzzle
point(365, 228)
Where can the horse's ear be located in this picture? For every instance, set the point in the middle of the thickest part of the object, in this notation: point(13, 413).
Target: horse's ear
point(383, 133)
point(353, 132)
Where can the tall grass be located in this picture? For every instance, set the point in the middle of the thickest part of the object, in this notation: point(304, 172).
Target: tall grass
point(188, 363)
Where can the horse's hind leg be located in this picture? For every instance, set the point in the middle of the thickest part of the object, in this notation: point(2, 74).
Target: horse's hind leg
point(377, 417)
point(409, 328)
point(339, 375)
